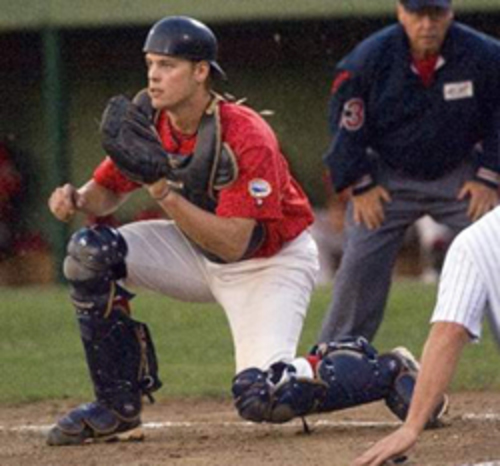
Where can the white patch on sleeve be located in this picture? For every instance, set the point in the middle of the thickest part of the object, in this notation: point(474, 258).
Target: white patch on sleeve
point(353, 115)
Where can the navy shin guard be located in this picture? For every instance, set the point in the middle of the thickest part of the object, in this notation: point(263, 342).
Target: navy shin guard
point(354, 373)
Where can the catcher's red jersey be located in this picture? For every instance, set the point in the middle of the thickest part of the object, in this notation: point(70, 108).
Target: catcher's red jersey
point(264, 190)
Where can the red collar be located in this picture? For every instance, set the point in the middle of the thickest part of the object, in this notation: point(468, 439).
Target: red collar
point(426, 68)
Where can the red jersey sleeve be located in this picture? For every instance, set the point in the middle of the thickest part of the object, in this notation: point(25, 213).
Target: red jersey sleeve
point(108, 176)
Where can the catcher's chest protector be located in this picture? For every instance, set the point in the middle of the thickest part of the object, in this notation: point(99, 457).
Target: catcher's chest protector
point(211, 167)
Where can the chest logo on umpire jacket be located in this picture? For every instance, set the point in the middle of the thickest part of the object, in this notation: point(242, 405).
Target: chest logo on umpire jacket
point(457, 91)
point(353, 115)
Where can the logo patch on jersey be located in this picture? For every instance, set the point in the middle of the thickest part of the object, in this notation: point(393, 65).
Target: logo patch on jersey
point(457, 91)
point(259, 188)
point(353, 115)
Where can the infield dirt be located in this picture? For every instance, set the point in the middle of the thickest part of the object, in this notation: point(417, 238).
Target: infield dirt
point(209, 433)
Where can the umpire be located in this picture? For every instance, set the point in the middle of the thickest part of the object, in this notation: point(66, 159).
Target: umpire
point(415, 120)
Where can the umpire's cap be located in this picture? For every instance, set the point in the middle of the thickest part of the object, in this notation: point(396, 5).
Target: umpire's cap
point(415, 5)
point(181, 36)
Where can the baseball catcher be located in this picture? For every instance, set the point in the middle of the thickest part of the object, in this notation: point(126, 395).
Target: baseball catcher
point(236, 234)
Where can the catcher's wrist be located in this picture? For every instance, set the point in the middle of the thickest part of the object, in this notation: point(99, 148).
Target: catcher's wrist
point(159, 190)
point(162, 194)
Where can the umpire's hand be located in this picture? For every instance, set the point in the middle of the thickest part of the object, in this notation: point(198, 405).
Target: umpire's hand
point(482, 198)
point(369, 207)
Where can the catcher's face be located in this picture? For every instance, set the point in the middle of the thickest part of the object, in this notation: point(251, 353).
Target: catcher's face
point(426, 29)
point(174, 81)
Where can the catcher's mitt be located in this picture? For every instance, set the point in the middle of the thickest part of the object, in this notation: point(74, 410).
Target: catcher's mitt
point(129, 137)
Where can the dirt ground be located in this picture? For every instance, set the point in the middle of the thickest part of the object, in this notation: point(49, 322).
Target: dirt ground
point(209, 433)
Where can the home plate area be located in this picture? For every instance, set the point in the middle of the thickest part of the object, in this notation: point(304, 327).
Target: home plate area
point(208, 432)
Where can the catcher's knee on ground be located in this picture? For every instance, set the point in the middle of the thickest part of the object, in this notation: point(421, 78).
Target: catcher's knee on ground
point(348, 373)
point(119, 350)
point(276, 395)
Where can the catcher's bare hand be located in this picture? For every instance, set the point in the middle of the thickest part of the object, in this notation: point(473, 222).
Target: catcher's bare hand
point(64, 202)
point(482, 198)
point(389, 449)
point(369, 207)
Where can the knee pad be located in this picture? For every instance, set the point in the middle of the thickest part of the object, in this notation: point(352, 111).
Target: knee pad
point(276, 395)
point(100, 250)
point(252, 393)
point(353, 373)
point(95, 261)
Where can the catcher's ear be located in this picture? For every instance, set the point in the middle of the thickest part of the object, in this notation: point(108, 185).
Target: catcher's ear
point(202, 71)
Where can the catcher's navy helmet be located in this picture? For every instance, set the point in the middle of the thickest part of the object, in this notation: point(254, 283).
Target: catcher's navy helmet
point(181, 36)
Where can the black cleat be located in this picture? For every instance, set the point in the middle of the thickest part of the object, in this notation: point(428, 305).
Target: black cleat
point(92, 423)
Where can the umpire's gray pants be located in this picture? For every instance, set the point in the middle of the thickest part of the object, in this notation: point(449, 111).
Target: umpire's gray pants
point(364, 277)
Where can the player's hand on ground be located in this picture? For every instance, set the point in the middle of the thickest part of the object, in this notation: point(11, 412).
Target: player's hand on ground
point(481, 198)
point(64, 202)
point(369, 207)
point(389, 449)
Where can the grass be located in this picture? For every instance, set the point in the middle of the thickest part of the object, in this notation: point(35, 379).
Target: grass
point(41, 356)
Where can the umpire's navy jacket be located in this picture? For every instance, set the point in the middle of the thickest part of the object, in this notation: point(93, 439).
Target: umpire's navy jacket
point(380, 105)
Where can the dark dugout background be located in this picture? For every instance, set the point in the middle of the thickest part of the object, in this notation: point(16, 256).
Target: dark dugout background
point(283, 66)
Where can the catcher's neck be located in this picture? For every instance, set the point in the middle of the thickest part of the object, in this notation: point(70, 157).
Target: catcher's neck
point(186, 119)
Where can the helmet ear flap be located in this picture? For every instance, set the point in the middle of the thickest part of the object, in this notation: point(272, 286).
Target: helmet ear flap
point(184, 37)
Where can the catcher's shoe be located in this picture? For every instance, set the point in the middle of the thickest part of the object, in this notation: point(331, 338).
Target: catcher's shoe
point(407, 359)
point(93, 422)
point(400, 397)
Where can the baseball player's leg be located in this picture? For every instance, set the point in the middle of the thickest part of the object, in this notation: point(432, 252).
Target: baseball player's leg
point(363, 280)
point(451, 214)
point(356, 374)
point(441, 201)
point(119, 350)
point(434, 239)
point(345, 374)
point(162, 259)
point(266, 302)
point(266, 310)
point(147, 254)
